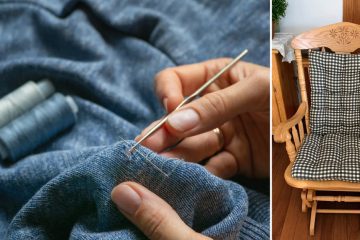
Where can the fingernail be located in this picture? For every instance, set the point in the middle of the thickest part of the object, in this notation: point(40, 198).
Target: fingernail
point(165, 101)
point(184, 120)
point(126, 199)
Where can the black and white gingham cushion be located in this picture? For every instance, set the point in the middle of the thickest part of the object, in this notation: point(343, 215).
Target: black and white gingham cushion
point(335, 93)
point(329, 157)
point(332, 150)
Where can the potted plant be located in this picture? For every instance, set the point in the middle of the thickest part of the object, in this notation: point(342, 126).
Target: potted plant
point(278, 11)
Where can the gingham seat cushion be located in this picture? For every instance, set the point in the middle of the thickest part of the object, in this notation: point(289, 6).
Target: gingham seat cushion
point(332, 150)
point(329, 157)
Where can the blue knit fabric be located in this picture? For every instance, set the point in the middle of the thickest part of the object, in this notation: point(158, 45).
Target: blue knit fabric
point(105, 55)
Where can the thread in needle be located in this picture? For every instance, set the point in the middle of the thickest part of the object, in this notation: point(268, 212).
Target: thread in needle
point(191, 97)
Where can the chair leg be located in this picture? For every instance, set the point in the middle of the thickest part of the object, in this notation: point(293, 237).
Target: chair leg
point(313, 217)
point(304, 201)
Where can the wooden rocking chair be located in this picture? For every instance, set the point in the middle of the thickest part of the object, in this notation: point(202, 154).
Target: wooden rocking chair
point(339, 38)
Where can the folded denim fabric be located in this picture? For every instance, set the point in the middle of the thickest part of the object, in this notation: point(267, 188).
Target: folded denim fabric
point(105, 54)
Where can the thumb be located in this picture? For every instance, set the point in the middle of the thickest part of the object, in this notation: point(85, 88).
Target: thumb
point(152, 215)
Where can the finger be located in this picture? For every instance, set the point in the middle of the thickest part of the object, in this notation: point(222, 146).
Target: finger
point(172, 84)
point(214, 109)
point(196, 148)
point(223, 165)
point(159, 140)
point(168, 88)
point(152, 215)
point(162, 139)
point(145, 130)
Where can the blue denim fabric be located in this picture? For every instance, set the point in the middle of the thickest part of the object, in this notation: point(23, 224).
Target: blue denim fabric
point(105, 54)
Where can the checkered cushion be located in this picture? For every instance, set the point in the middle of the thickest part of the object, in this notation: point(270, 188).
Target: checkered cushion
point(335, 93)
point(329, 157)
point(332, 150)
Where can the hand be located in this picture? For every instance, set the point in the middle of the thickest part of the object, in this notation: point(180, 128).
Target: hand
point(237, 104)
point(152, 215)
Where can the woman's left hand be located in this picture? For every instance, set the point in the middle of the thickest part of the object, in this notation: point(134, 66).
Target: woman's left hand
point(152, 215)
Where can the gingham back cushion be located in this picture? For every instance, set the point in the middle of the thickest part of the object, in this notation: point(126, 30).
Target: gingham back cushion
point(335, 93)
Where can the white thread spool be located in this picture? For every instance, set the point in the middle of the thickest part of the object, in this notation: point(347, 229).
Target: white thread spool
point(23, 99)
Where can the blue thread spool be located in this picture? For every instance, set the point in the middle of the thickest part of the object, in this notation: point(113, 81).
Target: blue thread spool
point(23, 99)
point(46, 120)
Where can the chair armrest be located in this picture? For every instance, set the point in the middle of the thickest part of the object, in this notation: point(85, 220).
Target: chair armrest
point(280, 131)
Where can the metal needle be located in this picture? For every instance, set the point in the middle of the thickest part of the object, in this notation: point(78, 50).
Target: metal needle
point(191, 97)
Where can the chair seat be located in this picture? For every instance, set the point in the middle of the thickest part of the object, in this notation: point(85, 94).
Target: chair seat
point(330, 157)
point(319, 185)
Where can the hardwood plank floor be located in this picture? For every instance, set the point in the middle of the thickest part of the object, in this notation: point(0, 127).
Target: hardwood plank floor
point(288, 222)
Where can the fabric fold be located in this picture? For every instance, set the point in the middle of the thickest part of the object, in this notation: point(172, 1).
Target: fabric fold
point(77, 203)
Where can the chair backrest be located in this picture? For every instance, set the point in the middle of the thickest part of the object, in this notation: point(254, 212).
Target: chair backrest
point(335, 93)
point(340, 38)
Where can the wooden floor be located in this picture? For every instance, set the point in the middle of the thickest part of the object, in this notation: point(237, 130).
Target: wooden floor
point(288, 222)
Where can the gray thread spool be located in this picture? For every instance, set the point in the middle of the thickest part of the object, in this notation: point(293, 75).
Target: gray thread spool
point(37, 126)
point(23, 99)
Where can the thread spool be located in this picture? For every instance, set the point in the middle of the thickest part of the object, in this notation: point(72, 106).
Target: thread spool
point(44, 121)
point(23, 99)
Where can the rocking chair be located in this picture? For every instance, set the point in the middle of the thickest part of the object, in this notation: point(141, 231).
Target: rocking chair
point(325, 154)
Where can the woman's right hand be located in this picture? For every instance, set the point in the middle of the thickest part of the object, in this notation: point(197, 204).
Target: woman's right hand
point(237, 104)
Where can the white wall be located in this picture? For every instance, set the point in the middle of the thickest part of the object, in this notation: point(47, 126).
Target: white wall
point(303, 15)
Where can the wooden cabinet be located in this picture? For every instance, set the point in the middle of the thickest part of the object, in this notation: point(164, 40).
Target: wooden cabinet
point(351, 11)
